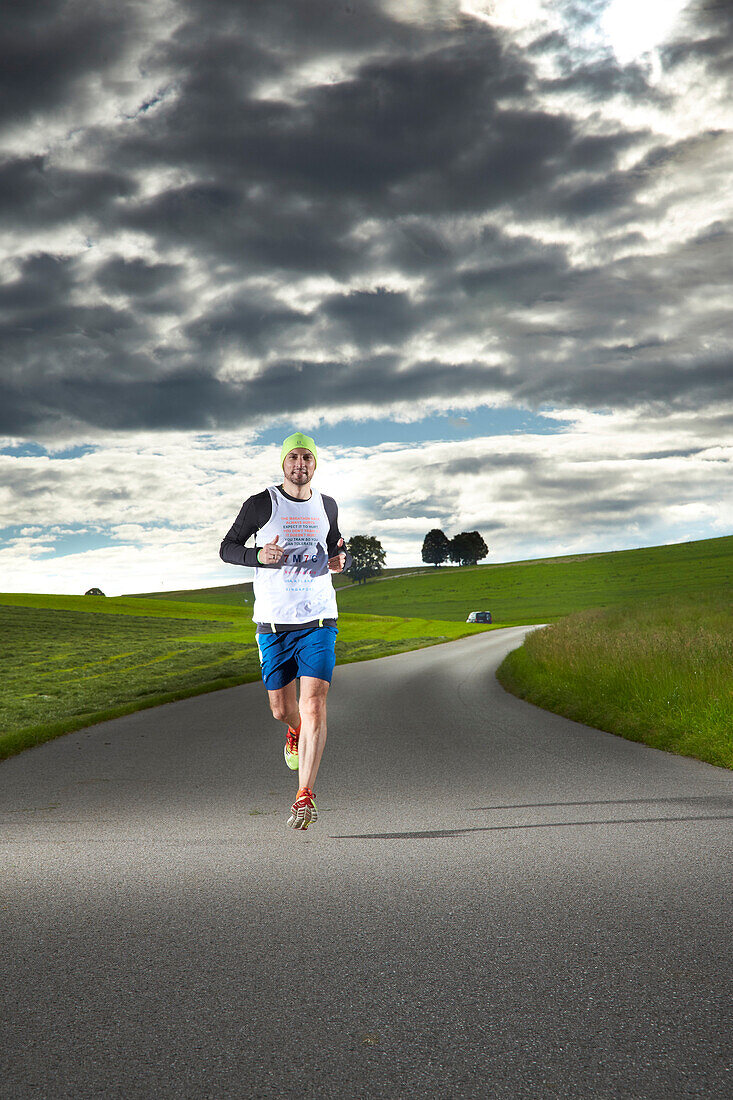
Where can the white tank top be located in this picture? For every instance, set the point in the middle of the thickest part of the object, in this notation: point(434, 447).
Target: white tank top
point(301, 589)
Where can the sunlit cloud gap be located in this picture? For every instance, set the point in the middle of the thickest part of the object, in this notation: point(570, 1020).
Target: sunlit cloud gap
point(630, 28)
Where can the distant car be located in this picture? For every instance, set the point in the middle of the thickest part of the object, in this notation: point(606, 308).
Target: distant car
point(479, 617)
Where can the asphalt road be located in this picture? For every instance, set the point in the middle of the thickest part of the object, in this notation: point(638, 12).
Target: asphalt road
point(494, 903)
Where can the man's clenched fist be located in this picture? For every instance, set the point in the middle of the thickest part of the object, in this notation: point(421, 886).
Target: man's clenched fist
point(336, 563)
point(271, 553)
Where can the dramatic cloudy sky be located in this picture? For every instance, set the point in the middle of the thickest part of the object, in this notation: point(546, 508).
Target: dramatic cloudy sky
point(481, 249)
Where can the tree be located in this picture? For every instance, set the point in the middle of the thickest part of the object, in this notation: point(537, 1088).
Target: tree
point(467, 548)
point(368, 557)
point(436, 547)
point(94, 592)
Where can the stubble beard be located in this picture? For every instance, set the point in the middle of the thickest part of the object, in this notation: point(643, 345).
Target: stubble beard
point(298, 479)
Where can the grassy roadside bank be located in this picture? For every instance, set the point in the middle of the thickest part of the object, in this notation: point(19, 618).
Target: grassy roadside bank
point(660, 672)
point(71, 661)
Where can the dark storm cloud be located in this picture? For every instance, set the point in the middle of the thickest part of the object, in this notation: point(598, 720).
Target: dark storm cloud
point(656, 386)
point(49, 47)
point(373, 317)
point(150, 288)
point(711, 40)
point(293, 178)
point(41, 330)
point(37, 302)
point(40, 280)
point(325, 28)
point(351, 136)
point(378, 381)
point(35, 194)
point(259, 234)
point(521, 281)
point(56, 352)
point(513, 153)
point(246, 322)
point(290, 141)
point(385, 507)
point(416, 246)
point(194, 399)
point(600, 79)
point(137, 278)
point(459, 467)
point(595, 306)
point(599, 152)
point(616, 191)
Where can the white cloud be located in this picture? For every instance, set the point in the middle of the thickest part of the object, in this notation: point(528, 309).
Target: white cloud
point(606, 482)
point(518, 16)
point(635, 29)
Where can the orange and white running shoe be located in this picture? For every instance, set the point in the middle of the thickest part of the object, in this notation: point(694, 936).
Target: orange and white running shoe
point(304, 811)
point(291, 747)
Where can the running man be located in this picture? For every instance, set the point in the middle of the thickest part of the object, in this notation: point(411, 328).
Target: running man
point(299, 545)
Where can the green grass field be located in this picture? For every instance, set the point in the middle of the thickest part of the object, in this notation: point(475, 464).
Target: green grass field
point(541, 590)
point(70, 661)
point(545, 590)
point(660, 671)
point(238, 594)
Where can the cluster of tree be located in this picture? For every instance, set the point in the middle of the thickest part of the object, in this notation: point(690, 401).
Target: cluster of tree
point(368, 556)
point(465, 548)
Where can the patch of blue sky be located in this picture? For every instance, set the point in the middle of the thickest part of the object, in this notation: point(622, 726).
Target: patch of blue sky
point(37, 450)
point(436, 428)
point(73, 542)
point(60, 542)
point(19, 531)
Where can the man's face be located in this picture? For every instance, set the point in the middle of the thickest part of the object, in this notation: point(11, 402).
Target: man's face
point(299, 466)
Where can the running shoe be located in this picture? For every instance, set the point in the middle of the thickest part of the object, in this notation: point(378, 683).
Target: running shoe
point(304, 811)
point(291, 747)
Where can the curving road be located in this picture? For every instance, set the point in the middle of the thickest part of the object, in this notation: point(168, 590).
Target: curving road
point(495, 902)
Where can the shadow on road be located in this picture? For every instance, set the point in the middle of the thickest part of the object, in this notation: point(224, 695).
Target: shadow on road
point(434, 834)
point(685, 800)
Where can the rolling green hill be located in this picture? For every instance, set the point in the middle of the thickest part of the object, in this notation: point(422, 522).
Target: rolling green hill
point(547, 589)
point(540, 590)
point(236, 594)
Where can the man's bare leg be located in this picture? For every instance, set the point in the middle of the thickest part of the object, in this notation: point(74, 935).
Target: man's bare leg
point(313, 692)
point(284, 705)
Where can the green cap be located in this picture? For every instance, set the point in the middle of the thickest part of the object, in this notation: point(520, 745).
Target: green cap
point(297, 439)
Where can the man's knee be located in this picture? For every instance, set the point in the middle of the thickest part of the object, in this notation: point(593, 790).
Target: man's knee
point(314, 706)
point(283, 703)
point(279, 710)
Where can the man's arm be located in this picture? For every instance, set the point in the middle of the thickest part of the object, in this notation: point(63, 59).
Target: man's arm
point(332, 539)
point(253, 515)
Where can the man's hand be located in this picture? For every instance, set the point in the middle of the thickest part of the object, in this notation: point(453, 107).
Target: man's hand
point(271, 553)
point(336, 563)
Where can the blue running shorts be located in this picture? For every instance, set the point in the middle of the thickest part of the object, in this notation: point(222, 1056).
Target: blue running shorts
point(293, 653)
